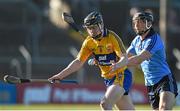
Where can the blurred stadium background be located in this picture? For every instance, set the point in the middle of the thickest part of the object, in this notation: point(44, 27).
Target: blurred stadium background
point(36, 43)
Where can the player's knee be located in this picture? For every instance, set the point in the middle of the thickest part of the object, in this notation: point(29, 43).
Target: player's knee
point(164, 107)
point(104, 104)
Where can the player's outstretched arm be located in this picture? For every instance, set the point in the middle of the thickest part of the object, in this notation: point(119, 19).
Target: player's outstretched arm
point(72, 67)
point(138, 59)
point(123, 61)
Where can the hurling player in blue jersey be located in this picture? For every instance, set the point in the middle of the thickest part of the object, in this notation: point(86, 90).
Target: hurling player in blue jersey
point(147, 49)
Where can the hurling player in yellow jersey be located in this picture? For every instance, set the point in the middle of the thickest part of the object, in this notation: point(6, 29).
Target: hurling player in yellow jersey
point(107, 49)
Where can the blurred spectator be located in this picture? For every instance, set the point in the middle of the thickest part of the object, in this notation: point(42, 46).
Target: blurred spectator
point(133, 10)
point(173, 21)
point(57, 7)
point(173, 33)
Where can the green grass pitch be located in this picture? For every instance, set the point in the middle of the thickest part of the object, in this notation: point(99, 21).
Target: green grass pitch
point(66, 107)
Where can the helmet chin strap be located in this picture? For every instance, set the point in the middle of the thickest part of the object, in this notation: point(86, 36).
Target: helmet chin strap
point(142, 32)
point(97, 36)
point(101, 34)
point(147, 28)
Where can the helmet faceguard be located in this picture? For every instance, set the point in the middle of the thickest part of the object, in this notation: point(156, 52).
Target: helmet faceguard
point(94, 18)
point(147, 18)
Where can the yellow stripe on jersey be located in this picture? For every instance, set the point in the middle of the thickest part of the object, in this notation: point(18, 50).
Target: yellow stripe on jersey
point(106, 51)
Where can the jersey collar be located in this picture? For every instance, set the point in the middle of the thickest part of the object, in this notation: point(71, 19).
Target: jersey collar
point(150, 33)
point(105, 32)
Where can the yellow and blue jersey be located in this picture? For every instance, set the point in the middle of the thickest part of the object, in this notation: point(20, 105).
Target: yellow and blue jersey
point(106, 51)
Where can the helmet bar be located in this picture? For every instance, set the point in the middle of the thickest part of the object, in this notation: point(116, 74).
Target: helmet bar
point(93, 18)
point(147, 18)
point(143, 16)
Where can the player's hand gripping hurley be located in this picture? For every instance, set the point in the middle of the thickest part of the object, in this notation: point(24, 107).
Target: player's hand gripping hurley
point(15, 80)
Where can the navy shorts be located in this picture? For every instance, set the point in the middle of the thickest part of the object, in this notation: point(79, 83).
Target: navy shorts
point(167, 83)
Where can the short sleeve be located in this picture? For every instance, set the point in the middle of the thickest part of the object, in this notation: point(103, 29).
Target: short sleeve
point(131, 48)
point(154, 44)
point(84, 52)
